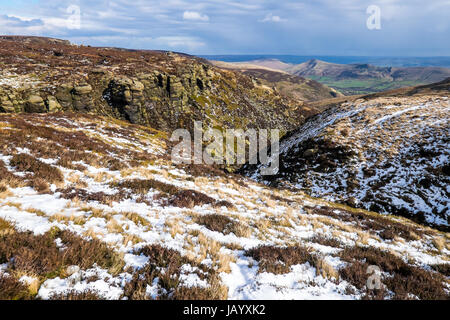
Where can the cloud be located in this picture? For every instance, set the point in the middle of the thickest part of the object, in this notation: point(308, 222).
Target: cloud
point(271, 18)
point(195, 16)
point(304, 27)
point(18, 22)
point(176, 42)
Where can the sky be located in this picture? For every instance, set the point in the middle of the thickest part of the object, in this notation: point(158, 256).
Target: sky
point(290, 27)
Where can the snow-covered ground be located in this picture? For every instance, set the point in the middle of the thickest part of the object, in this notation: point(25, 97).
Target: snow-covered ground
point(133, 219)
point(398, 157)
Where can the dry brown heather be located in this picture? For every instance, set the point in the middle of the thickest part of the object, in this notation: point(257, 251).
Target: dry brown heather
point(279, 260)
point(39, 256)
point(171, 262)
point(203, 212)
point(406, 279)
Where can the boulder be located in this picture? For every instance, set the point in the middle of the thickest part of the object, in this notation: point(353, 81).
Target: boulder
point(35, 104)
point(137, 86)
point(53, 104)
point(309, 153)
point(83, 89)
point(7, 106)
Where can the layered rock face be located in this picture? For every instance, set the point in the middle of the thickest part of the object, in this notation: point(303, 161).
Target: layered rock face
point(161, 89)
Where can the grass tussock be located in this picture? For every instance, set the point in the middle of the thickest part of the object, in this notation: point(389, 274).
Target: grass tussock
point(325, 269)
point(13, 289)
point(6, 227)
point(223, 224)
point(278, 260)
point(136, 218)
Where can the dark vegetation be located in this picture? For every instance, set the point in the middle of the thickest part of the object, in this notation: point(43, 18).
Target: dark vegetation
point(278, 260)
point(326, 241)
point(77, 295)
point(38, 255)
point(29, 132)
point(84, 195)
point(403, 279)
point(13, 289)
point(222, 224)
point(386, 228)
point(170, 194)
point(169, 281)
point(25, 162)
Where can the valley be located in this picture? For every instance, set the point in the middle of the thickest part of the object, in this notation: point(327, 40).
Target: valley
point(94, 207)
point(358, 78)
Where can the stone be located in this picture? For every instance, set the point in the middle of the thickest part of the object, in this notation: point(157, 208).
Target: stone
point(352, 202)
point(309, 153)
point(35, 104)
point(72, 269)
point(83, 89)
point(137, 86)
point(53, 104)
point(127, 95)
point(63, 93)
point(7, 106)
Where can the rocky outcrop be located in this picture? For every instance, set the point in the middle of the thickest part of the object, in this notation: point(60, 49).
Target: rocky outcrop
point(160, 89)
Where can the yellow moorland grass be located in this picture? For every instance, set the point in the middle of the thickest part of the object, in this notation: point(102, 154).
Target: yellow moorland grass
point(114, 226)
point(6, 227)
point(439, 243)
point(59, 217)
point(324, 269)
point(136, 219)
point(6, 193)
point(32, 282)
point(174, 227)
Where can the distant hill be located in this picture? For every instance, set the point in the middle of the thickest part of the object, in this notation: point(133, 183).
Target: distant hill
point(357, 78)
point(365, 78)
point(443, 61)
point(271, 74)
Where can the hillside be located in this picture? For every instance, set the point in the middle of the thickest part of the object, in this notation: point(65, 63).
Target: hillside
point(163, 90)
point(356, 79)
point(93, 208)
point(292, 86)
point(386, 152)
point(364, 78)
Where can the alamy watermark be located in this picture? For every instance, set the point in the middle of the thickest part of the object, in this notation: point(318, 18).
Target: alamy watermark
point(228, 147)
point(374, 280)
point(74, 19)
point(374, 20)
